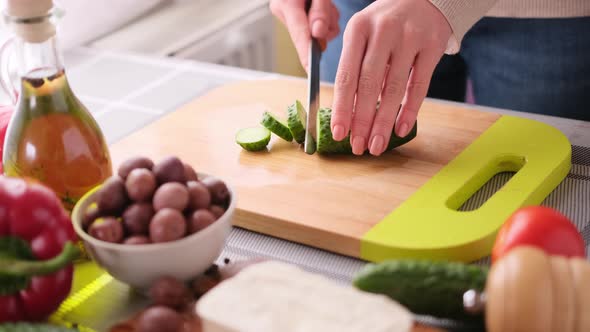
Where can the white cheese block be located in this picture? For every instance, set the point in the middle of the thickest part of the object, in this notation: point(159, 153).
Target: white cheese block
point(277, 297)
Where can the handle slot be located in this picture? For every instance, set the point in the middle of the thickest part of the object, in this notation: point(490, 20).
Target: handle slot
point(502, 164)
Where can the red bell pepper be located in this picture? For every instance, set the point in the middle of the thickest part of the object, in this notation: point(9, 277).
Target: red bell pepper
point(36, 251)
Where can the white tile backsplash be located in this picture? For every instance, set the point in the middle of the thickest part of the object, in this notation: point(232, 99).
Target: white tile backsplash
point(120, 122)
point(174, 92)
point(113, 78)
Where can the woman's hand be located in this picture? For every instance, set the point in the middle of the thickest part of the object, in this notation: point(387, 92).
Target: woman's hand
point(321, 23)
point(390, 48)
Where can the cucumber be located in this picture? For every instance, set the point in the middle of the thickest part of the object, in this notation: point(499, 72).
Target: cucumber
point(395, 141)
point(327, 145)
point(253, 138)
point(424, 287)
point(296, 121)
point(277, 126)
point(325, 141)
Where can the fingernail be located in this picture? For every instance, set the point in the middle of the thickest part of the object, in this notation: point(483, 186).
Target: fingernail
point(338, 132)
point(358, 145)
point(318, 28)
point(377, 145)
point(403, 130)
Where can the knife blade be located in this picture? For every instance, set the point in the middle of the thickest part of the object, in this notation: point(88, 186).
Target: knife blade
point(313, 92)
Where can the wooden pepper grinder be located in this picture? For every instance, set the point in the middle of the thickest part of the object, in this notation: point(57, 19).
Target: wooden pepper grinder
point(530, 291)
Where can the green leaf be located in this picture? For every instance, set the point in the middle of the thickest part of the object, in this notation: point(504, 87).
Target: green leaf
point(15, 248)
point(11, 248)
point(32, 327)
point(10, 285)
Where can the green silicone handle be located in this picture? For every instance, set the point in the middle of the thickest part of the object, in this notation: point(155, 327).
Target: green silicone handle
point(428, 225)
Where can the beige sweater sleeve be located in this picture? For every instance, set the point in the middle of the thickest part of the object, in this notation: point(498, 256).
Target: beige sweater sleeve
point(462, 15)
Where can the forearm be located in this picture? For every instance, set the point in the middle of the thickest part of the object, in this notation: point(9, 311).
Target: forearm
point(462, 15)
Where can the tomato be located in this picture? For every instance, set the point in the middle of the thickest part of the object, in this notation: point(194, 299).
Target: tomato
point(542, 227)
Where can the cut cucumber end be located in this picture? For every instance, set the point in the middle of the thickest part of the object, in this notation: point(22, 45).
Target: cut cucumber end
point(325, 142)
point(275, 125)
point(253, 138)
point(396, 141)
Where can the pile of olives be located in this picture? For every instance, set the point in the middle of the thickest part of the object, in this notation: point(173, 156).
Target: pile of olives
point(171, 298)
point(153, 203)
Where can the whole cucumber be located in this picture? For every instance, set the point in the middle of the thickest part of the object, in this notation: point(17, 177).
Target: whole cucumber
point(424, 287)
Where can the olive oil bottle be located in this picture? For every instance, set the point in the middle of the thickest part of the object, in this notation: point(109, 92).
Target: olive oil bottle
point(51, 137)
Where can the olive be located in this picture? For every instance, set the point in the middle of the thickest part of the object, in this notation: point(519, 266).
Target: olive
point(137, 239)
point(199, 220)
point(170, 169)
point(218, 190)
point(199, 195)
point(167, 225)
point(112, 196)
point(92, 212)
point(160, 319)
point(137, 217)
point(107, 229)
point(217, 211)
point(171, 195)
point(169, 292)
point(213, 271)
point(189, 173)
point(140, 185)
point(202, 284)
point(133, 163)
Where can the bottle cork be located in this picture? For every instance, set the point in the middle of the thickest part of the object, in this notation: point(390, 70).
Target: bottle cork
point(28, 8)
point(32, 31)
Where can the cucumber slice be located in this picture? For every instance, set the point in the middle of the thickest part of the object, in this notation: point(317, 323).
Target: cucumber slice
point(253, 138)
point(326, 143)
point(277, 126)
point(296, 121)
point(424, 287)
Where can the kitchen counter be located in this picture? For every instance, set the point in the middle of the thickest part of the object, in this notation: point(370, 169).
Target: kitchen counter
point(126, 91)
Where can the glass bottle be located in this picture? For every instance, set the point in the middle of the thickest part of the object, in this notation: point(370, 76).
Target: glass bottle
point(51, 136)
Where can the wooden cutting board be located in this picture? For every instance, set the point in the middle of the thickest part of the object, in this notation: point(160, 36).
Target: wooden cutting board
point(401, 204)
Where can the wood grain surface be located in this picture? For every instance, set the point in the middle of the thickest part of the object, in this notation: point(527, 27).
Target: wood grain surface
point(328, 202)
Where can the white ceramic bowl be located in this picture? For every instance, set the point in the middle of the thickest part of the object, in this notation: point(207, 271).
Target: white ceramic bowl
point(139, 265)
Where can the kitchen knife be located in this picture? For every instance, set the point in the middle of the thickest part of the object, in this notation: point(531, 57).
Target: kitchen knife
point(313, 92)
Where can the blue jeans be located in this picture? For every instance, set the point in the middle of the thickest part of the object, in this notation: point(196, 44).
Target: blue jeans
point(530, 65)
